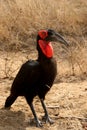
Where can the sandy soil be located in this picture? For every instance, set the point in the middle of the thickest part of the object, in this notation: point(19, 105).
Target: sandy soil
point(67, 105)
point(66, 102)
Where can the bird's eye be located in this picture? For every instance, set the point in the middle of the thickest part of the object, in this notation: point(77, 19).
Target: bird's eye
point(50, 33)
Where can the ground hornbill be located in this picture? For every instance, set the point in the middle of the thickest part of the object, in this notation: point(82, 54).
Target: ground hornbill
point(36, 77)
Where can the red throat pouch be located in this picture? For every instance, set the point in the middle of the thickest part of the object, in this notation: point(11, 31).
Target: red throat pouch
point(46, 48)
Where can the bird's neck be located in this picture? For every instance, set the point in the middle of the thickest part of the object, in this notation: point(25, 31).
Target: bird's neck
point(45, 48)
point(47, 61)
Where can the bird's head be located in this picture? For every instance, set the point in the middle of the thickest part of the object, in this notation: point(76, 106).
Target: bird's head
point(50, 35)
point(44, 39)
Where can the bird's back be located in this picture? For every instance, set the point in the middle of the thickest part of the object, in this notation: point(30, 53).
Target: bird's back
point(27, 77)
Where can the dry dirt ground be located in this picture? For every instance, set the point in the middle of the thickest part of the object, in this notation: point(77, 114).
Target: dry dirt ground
point(66, 102)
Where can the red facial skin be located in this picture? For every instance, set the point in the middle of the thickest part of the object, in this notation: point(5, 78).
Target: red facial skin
point(46, 48)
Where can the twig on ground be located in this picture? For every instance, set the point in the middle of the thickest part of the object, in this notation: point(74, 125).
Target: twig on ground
point(71, 117)
point(53, 107)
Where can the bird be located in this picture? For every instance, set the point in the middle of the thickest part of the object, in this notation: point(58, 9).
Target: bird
point(36, 77)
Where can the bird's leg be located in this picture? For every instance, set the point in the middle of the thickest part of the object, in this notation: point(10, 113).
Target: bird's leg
point(38, 122)
point(46, 117)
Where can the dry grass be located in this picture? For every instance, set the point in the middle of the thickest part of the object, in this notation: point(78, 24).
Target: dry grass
point(20, 20)
point(19, 17)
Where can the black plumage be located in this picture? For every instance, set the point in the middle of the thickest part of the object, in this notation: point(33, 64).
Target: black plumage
point(36, 77)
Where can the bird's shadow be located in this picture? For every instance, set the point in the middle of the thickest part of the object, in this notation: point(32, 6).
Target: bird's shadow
point(12, 120)
point(15, 120)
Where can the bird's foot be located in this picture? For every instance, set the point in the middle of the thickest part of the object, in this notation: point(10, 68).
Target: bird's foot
point(48, 119)
point(36, 122)
point(39, 123)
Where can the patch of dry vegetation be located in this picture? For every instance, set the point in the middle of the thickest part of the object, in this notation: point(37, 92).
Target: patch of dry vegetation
point(20, 20)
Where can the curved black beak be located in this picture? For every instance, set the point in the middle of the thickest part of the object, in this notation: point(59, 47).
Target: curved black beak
point(61, 39)
point(53, 36)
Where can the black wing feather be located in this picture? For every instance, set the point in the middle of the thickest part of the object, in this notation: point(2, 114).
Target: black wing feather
point(28, 75)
